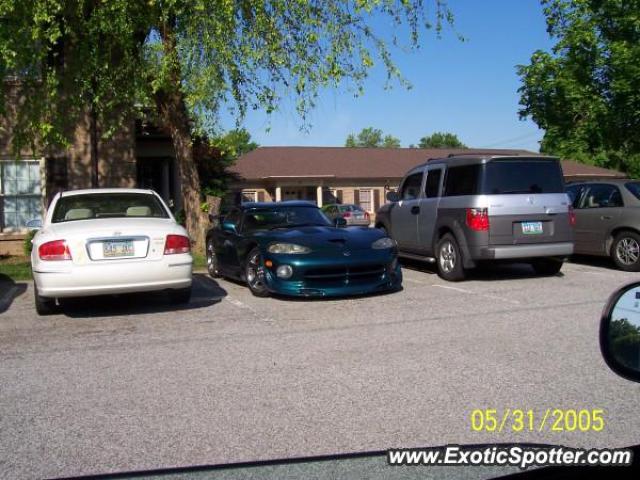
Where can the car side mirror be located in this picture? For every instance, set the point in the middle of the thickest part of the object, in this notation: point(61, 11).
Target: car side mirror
point(620, 332)
point(393, 196)
point(229, 227)
point(340, 222)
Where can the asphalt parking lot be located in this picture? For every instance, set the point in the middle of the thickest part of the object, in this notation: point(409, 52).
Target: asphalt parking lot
point(128, 383)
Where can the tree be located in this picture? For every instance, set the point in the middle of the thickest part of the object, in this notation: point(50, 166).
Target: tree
point(372, 138)
point(585, 93)
point(441, 140)
point(187, 58)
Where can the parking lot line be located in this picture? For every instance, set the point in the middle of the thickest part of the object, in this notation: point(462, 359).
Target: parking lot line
point(237, 303)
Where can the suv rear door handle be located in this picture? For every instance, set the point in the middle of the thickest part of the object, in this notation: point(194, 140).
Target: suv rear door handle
point(605, 217)
point(415, 209)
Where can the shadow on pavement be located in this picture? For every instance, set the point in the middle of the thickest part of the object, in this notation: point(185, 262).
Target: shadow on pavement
point(9, 290)
point(206, 292)
point(483, 272)
point(593, 261)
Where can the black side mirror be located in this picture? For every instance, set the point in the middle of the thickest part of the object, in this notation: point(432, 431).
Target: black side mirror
point(340, 222)
point(620, 332)
point(393, 196)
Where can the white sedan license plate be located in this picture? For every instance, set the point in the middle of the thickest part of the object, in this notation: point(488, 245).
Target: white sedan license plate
point(532, 228)
point(121, 248)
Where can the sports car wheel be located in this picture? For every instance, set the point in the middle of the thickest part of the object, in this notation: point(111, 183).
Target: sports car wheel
point(212, 261)
point(254, 274)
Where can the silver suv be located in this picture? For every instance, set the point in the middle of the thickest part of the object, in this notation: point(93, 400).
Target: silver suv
point(462, 210)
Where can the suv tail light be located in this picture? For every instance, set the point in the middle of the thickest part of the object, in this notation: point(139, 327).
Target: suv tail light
point(54, 250)
point(478, 219)
point(572, 216)
point(177, 244)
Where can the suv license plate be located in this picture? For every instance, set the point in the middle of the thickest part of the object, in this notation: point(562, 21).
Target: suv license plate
point(118, 249)
point(532, 228)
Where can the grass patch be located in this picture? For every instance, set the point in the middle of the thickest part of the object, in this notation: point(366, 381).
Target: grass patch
point(199, 261)
point(16, 268)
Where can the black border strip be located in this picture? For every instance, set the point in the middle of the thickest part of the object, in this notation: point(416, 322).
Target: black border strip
point(278, 461)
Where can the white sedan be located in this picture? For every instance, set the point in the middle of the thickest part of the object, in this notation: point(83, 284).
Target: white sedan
point(109, 241)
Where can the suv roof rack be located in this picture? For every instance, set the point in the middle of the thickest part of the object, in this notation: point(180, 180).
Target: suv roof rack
point(480, 154)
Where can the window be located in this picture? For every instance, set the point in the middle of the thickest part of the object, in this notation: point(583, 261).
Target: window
point(522, 176)
point(432, 187)
point(463, 180)
point(365, 201)
point(602, 196)
point(20, 195)
point(575, 192)
point(233, 217)
point(249, 196)
point(634, 188)
point(411, 187)
point(107, 205)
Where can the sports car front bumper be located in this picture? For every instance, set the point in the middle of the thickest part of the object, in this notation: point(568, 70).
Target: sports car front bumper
point(316, 275)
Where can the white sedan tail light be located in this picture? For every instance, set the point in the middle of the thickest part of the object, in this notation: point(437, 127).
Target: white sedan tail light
point(177, 244)
point(54, 250)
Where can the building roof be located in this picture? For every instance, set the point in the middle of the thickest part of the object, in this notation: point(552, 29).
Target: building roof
point(266, 163)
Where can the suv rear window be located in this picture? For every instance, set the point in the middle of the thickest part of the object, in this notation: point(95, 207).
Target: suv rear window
point(522, 176)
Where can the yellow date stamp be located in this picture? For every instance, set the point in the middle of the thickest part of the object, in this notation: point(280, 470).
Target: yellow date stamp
point(530, 420)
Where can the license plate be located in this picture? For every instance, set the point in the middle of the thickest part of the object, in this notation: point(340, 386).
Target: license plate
point(532, 228)
point(121, 248)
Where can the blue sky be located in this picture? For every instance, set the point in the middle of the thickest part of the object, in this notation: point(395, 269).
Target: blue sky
point(468, 88)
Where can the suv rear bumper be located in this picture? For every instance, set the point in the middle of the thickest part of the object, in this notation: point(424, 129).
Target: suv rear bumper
point(560, 249)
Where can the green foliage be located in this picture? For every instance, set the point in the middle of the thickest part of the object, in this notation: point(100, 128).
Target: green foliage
point(624, 338)
point(585, 93)
point(122, 55)
point(441, 140)
point(27, 246)
point(213, 157)
point(372, 138)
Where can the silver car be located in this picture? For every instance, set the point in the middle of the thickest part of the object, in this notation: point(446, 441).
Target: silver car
point(463, 210)
point(608, 220)
point(353, 214)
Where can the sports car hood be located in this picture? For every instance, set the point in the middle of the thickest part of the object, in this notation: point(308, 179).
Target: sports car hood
point(324, 238)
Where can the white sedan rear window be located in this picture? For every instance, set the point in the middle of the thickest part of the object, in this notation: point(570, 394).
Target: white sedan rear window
point(107, 205)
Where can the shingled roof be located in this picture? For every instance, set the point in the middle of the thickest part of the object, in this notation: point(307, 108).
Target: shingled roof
point(341, 162)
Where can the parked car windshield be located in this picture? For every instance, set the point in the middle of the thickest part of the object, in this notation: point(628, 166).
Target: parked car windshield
point(522, 176)
point(634, 188)
point(283, 217)
point(107, 205)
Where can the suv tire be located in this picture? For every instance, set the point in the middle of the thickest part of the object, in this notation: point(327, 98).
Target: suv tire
point(547, 266)
point(625, 251)
point(449, 259)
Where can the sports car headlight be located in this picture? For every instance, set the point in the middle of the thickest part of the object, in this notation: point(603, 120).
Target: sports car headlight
point(383, 243)
point(287, 248)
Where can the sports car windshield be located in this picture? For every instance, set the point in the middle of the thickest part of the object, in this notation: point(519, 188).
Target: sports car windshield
point(284, 217)
point(107, 205)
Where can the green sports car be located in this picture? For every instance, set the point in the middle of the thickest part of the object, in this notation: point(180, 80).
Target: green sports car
point(293, 249)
